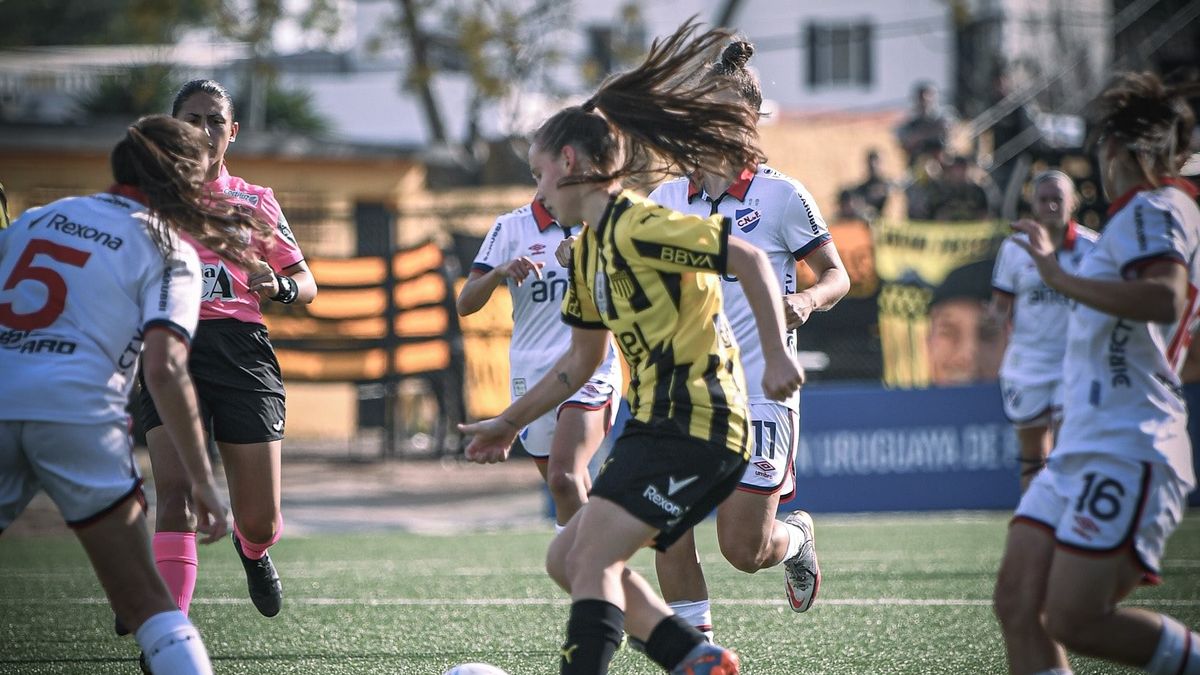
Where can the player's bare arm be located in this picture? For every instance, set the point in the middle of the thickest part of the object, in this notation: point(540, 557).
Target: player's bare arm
point(831, 286)
point(493, 438)
point(480, 285)
point(782, 375)
point(1158, 294)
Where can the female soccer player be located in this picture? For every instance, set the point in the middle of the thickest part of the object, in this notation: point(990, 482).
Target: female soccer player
point(236, 374)
point(1031, 374)
point(649, 275)
point(89, 283)
point(775, 213)
point(1094, 522)
point(562, 441)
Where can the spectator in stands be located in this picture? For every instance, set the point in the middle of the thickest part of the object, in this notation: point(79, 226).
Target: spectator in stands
point(929, 125)
point(920, 193)
point(958, 195)
point(964, 345)
point(1015, 139)
point(851, 206)
point(873, 192)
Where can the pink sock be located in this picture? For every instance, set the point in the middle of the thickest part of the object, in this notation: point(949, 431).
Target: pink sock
point(175, 556)
point(257, 551)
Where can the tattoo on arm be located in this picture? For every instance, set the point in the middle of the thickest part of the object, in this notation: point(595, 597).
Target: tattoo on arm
point(562, 377)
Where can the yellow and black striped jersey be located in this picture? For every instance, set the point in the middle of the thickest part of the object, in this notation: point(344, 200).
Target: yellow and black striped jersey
point(651, 275)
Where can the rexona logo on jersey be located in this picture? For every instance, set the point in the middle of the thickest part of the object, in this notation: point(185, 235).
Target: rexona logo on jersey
point(218, 283)
point(747, 219)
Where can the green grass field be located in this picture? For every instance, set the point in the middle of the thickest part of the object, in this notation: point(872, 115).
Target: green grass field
point(901, 594)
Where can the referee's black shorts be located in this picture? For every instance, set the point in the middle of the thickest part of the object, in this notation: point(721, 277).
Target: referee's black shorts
point(667, 479)
point(237, 380)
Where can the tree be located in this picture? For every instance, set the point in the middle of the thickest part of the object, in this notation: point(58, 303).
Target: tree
point(36, 23)
point(500, 45)
point(137, 91)
point(254, 22)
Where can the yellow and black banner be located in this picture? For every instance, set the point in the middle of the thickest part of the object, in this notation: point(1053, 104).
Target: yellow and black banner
point(914, 261)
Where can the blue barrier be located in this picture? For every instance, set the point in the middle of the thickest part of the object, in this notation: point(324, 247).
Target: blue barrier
point(865, 448)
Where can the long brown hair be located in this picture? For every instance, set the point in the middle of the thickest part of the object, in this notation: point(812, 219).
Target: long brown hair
point(658, 119)
point(164, 158)
point(731, 67)
point(1149, 118)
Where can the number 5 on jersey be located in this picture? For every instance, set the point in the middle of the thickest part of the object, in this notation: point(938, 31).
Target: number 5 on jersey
point(56, 286)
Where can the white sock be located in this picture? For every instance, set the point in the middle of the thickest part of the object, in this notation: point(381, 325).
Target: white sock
point(559, 528)
point(173, 645)
point(795, 540)
point(697, 613)
point(1178, 650)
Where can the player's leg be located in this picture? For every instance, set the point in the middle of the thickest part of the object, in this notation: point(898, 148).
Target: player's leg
point(1020, 596)
point(118, 544)
point(1031, 409)
point(578, 433)
point(174, 540)
point(1035, 442)
point(253, 473)
point(90, 473)
point(1124, 514)
point(681, 580)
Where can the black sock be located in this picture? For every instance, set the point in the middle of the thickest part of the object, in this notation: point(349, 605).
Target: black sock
point(593, 633)
point(671, 640)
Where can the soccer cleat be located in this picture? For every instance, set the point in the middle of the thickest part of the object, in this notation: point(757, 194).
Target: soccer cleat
point(708, 659)
point(119, 628)
point(801, 572)
point(263, 581)
point(143, 664)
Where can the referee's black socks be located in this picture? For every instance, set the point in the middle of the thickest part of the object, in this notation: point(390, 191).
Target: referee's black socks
point(671, 640)
point(593, 633)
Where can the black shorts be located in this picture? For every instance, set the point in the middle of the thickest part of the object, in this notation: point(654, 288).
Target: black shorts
point(237, 381)
point(666, 479)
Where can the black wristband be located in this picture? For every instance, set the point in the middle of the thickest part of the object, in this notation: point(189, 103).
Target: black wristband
point(288, 289)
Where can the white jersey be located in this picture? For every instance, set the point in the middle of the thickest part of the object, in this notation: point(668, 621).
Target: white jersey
point(81, 283)
point(539, 336)
point(778, 215)
point(1035, 351)
point(1123, 393)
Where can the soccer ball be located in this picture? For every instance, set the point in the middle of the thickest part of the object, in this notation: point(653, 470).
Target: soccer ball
point(474, 669)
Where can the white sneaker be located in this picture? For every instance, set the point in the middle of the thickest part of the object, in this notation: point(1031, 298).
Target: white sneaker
point(801, 571)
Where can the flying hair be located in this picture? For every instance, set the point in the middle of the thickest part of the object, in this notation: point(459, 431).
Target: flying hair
point(658, 119)
point(732, 67)
point(164, 158)
point(1149, 118)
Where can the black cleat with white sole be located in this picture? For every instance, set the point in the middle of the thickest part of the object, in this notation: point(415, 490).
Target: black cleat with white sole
point(262, 580)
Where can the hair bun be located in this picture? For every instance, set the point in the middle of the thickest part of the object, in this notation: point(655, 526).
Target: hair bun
point(737, 54)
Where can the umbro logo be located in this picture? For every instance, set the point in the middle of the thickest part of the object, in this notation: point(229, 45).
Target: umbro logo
point(764, 465)
point(674, 486)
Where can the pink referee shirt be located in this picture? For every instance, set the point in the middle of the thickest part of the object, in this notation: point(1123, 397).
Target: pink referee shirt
point(226, 294)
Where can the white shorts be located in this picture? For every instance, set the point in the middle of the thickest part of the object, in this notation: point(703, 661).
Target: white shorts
point(1032, 406)
point(1097, 503)
point(87, 469)
point(775, 434)
point(595, 394)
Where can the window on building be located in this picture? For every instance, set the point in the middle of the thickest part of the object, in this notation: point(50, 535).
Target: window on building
point(839, 54)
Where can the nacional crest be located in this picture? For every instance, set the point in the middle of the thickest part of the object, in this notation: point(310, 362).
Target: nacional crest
point(747, 219)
